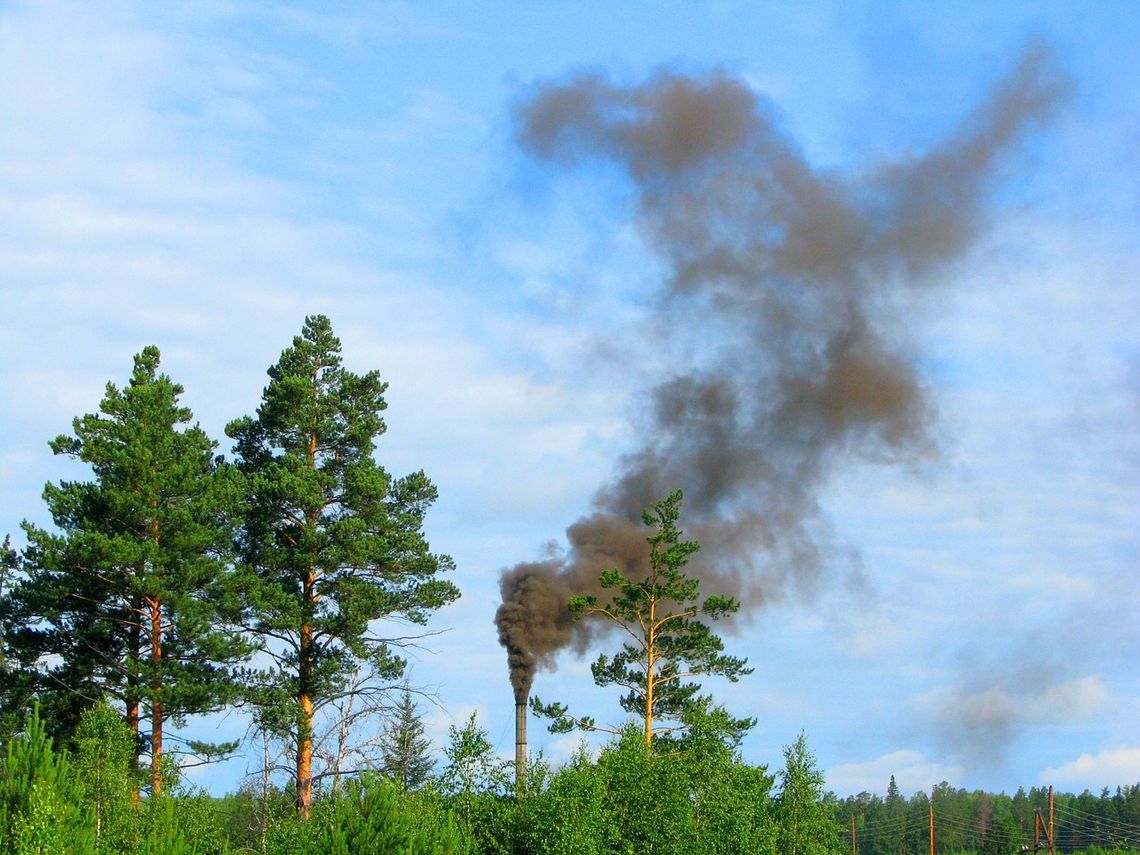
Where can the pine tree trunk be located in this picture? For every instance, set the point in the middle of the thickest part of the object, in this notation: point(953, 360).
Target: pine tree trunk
point(305, 663)
point(650, 683)
point(131, 699)
point(305, 702)
point(156, 711)
point(305, 757)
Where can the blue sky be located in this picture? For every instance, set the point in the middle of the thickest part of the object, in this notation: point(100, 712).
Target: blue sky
point(200, 176)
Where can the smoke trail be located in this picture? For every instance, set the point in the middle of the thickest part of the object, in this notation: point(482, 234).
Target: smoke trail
point(798, 281)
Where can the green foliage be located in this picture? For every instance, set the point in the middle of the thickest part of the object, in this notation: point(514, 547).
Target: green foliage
point(477, 786)
point(684, 797)
point(567, 814)
point(257, 820)
point(732, 805)
point(102, 763)
point(162, 829)
point(330, 542)
point(41, 809)
point(670, 644)
point(372, 816)
point(689, 794)
point(53, 802)
point(1002, 837)
point(9, 567)
point(805, 823)
point(406, 755)
point(970, 822)
point(472, 766)
point(16, 684)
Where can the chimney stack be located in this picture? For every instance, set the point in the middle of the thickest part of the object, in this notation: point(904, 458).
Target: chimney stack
point(520, 743)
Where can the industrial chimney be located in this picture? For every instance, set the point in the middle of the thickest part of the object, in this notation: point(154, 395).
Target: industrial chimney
point(520, 741)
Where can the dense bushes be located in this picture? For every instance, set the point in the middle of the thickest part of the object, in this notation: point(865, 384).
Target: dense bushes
point(689, 796)
point(633, 800)
point(41, 809)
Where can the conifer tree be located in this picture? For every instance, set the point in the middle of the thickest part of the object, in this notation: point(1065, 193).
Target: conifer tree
point(15, 683)
point(125, 599)
point(331, 543)
point(669, 644)
point(407, 760)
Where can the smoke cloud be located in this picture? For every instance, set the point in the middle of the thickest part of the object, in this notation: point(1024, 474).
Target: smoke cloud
point(980, 723)
point(799, 282)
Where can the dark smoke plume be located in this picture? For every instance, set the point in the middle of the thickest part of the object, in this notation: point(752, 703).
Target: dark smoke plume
point(798, 282)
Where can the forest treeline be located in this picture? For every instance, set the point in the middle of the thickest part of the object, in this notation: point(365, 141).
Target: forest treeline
point(284, 580)
point(976, 821)
point(682, 797)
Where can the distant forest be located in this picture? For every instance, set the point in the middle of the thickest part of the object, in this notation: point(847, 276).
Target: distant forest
point(975, 821)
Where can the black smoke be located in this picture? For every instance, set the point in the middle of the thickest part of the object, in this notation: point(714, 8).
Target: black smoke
point(802, 283)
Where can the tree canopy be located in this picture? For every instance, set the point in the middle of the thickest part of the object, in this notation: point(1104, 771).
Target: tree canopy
point(330, 543)
point(127, 598)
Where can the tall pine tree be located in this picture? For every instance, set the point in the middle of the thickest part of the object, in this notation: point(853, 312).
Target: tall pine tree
point(331, 543)
point(125, 598)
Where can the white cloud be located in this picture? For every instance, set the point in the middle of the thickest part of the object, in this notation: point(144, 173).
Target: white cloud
point(911, 769)
point(1110, 767)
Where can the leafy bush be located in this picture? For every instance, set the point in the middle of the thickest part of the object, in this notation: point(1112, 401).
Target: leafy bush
point(691, 796)
point(104, 749)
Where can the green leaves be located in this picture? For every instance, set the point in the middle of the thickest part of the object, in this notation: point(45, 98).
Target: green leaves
point(472, 766)
point(374, 816)
point(41, 809)
point(695, 799)
point(806, 822)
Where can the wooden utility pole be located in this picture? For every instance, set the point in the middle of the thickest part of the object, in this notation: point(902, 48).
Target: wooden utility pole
point(1041, 825)
point(854, 847)
point(932, 825)
point(1052, 804)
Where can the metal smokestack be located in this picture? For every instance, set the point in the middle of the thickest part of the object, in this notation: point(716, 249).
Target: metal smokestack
point(520, 742)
